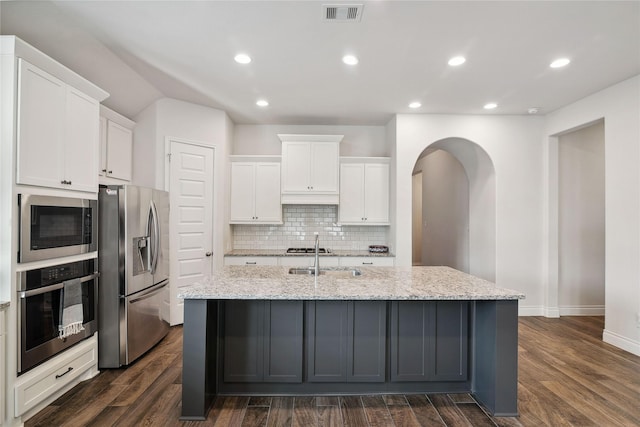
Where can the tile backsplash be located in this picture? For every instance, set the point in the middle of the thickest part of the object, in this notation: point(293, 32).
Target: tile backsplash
point(300, 224)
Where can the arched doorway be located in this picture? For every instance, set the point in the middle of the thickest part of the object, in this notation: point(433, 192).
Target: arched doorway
point(458, 182)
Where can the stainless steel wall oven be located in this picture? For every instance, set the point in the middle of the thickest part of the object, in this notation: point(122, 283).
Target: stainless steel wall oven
point(54, 227)
point(40, 291)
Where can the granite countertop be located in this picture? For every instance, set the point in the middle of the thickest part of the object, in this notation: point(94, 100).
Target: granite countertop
point(375, 283)
point(283, 252)
point(4, 304)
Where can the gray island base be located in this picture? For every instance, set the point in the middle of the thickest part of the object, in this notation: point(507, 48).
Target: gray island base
point(261, 331)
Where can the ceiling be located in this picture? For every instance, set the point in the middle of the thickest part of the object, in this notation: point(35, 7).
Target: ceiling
point(140, 51)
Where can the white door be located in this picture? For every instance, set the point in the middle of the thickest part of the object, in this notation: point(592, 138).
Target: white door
point(191, 218)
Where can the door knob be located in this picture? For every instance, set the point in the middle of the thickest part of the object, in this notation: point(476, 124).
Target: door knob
point(209, 253)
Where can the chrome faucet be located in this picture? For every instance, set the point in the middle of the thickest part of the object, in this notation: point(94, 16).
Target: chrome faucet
point(316, 264)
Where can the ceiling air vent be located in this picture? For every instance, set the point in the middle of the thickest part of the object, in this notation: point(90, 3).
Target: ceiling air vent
point(342, 12)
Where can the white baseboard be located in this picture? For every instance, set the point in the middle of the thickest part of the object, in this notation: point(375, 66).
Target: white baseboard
point(531, 310)
point(619, 341)
point(582, 310)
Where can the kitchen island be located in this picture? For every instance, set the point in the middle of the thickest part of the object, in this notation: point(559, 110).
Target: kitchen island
point(263, 331)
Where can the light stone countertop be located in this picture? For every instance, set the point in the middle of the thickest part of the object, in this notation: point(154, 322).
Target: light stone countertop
point(283, 252)
point(375, 283)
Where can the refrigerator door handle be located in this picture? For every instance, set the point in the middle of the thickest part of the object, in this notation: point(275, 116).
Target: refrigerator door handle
point(154, 290)
point(155, 236)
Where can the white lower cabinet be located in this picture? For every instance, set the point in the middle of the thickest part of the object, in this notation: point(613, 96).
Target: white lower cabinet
point(43, 381)
point(250, 260)
point(353, 261)
point(308, 261)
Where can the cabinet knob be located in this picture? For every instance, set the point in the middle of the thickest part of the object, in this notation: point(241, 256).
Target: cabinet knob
point(104, 170)
point(110, 172)
point(209, 253)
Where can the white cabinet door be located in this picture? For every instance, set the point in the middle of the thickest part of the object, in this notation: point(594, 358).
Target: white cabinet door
point(41, 123)
point(324, 167)
point(242, 192)
point(103, 146)
point(364, 194)
point(81, 141)
point(255, 193)
point(58, 133)
point(352, 193)
point(119, 149)
point(296, 161)
point(376, 193)
point(268, 208)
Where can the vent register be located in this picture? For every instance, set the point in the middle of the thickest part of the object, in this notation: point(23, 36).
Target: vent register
point(342, 12)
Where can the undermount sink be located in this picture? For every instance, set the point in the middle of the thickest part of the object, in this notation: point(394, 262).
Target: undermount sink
point(338, 272)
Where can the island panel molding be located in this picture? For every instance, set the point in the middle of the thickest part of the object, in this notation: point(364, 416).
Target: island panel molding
point(463, 315)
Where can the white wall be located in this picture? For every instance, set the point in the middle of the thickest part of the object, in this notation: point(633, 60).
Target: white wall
point(365, 141)
point(619, 105)
point(190, 122)
point(581, 214)
point(513, 145)
point(416, 219)
point(445, 211)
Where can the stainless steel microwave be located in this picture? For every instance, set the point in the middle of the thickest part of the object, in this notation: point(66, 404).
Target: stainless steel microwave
point(54, 227)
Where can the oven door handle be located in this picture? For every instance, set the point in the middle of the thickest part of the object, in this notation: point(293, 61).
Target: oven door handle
point(55, 287)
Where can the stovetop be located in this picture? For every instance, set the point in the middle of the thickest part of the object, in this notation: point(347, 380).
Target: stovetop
point(307, 251)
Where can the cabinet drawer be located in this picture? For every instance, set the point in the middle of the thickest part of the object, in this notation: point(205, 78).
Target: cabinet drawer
point(257, 260)
point(43, 381)
point(367, 261)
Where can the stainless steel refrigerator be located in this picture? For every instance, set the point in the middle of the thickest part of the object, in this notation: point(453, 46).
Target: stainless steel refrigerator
point(133, 260)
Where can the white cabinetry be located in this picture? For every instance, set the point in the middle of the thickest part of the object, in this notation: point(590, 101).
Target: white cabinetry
point(255, 192)
point(116, 146)
point(2, 366)
point(58, 130)
point(250, 260)
point(73, 365)
point(364, 191)
point(310, 169)
point(353, 261)
point(308, 261)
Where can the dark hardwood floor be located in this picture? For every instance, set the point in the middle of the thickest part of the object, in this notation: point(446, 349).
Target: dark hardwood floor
point(567, 377)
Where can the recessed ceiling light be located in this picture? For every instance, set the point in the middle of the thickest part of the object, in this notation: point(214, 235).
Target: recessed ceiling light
point(242, 58)
point(262, 103)
point(457, 60)
point(415, 104)
point(350, 60)
point(490, 106)
point(533, 110)
point(560, 62)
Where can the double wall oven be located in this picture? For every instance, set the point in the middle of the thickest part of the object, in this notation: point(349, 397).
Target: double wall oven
point(52, 228)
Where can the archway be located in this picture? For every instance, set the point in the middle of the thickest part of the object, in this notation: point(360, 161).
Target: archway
point(476, 227)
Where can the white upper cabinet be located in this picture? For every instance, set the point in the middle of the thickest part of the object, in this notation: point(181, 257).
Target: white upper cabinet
point(116, 146)
point(310, 169)
point(255, 192)
point(364, 192)
point(58, 131)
